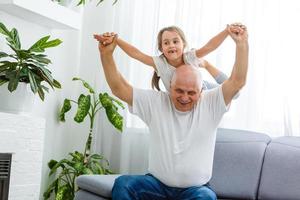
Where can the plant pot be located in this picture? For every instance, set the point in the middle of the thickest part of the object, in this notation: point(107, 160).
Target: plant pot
point(19, 101)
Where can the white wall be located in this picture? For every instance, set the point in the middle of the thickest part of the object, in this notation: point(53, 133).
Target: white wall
point(76, 56)
point(65, 63)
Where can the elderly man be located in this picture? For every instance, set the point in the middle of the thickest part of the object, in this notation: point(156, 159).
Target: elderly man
point(182, 127)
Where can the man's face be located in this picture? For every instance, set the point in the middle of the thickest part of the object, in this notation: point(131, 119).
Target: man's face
point(185, 94)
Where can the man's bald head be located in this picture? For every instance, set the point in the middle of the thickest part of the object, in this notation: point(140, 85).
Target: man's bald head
point(187, 74)
point(186, 87)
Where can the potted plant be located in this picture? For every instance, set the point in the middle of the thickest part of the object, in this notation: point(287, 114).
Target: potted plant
point(78, 163)
point(29, 66)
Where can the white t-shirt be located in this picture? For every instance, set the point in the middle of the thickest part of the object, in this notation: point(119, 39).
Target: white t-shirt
point(181, 143)
point(165, 70)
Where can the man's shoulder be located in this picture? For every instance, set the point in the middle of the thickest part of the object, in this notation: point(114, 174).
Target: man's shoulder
point(150, 100)
point(148, 93)
point(210, 94)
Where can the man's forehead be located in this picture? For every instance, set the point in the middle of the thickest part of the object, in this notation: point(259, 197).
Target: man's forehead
point(187, 80)
point(186, 85)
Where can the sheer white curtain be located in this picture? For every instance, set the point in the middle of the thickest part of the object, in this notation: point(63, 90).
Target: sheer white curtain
point(269, 101)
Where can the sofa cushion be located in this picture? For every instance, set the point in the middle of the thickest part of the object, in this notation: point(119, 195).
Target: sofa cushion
point(281, 170)
point(85, 195)
point(97, 184)
point(237, 163)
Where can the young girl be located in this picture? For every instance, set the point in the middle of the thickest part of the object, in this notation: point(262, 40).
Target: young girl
point(171, 42)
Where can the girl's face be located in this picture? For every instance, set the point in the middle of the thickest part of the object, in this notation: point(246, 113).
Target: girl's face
point(172, 45)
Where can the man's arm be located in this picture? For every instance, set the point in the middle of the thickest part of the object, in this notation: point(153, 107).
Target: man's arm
point(238, 75)
point(118, 85)
point(212, 44)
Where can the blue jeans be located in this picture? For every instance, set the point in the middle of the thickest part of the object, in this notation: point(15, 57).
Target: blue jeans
point(147, 187)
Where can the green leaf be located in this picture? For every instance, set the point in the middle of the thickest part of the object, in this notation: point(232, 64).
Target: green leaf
point(100, 1)
point(111, 110)
point(4, 30)
point(114, 117)
point(7, 66)
point(59, 164)
point(41, 58)
point(43, 43)
point(114, 100)
point(15, 38)
point(66, 107)
point(105, 100)
point(81, 2)
point(64, 193)
point(85, 84)
point(13, 80)
point(78, 166)
point(50, 189)
point(86, 170)
point(33, 84)
point(41, 93)
point(45, 88)
point(99, 168)
point(77, 156)
point(21, 54)
point(2, 81)
point(84, 104)
point(52, 163)
point(52, 43)
point(56, 84)
point(38, 46)
point(96, 157)
point(45, 74)
point(3, 54)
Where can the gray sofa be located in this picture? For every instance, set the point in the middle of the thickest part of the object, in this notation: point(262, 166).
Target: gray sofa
point(247, 165)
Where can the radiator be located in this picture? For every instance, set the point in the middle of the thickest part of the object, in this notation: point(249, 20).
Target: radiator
point(5, 165)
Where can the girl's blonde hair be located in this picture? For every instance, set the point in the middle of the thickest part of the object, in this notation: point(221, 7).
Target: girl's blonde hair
point(155, 77)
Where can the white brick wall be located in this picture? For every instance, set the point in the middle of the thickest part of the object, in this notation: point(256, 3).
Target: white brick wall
point(23, 136)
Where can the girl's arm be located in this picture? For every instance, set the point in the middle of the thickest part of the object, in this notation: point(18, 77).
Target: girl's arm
point(135, 53)
point(212, 44)
point(130, 50)
point(218, 75)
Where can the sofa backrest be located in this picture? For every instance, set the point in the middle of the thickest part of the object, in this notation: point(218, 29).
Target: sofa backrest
point(238, 162)
point(280, 179)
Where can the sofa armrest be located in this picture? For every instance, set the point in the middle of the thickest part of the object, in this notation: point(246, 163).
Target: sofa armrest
point(98, 184)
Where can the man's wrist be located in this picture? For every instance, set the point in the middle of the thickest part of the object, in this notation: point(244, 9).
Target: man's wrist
point(106, 54)
point(243, 44)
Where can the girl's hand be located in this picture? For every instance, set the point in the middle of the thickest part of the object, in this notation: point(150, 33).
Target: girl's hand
point(106, 48)
point(236, 28)
point(203, 63)
point(105, 38)
point(239, 33)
